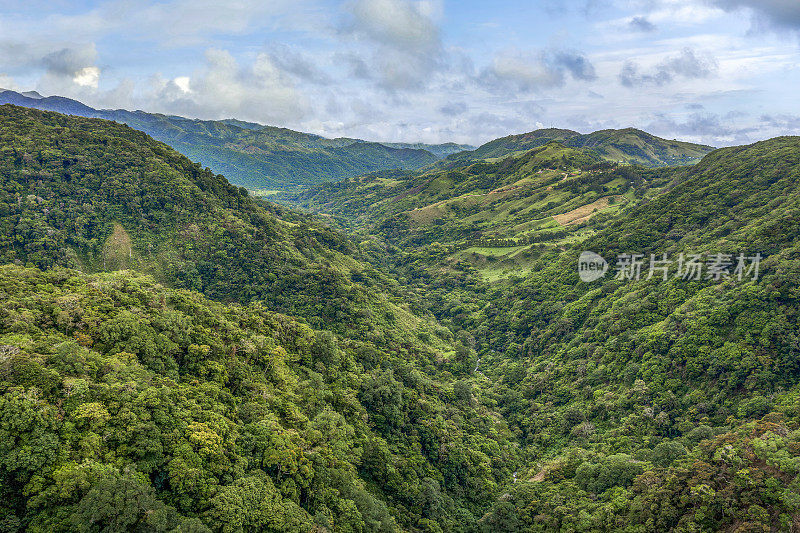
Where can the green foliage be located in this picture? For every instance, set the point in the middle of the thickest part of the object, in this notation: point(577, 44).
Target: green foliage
point(627, 145)
point(202, 415)
point(76, 192)
point(536, 403)
point(257, 156)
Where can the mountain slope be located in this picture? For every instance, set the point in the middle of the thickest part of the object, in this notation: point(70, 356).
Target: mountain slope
point(642, 404)
point(127, 406)
point(97, 195)
point(254, 155)
point(494, 216)
point(668, 404)
point(204, 414)
point(627, 145)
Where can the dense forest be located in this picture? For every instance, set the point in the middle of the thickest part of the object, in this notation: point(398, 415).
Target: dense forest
point(419, 354)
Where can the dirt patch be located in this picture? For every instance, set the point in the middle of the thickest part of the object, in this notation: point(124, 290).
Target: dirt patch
point(583, 213)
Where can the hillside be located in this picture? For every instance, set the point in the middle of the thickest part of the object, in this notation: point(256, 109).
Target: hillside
point(642, 404)
point(96, 195)
point(494, 216)
point(214, 415)
point(629, 146)
point(670, 403)
point(126, 406)
point(253, 155)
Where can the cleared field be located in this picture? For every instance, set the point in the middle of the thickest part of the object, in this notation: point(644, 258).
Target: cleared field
point(495, 252)
point(583, 213)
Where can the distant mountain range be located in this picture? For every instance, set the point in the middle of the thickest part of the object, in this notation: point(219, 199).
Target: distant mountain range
point(272, 158)
point(626, 145)
point(253, 155)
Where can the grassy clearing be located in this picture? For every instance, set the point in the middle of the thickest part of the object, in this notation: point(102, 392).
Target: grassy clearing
point(583, 213)
point(494, 252)
point(117, 250)
point(260, 193)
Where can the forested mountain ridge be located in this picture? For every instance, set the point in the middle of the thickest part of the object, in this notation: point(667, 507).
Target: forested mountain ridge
point(628, 145)
point(254, 155)
point(653, 404)
point(129, 406)
point(97, 195)
point(126, 406)
point(494, 215)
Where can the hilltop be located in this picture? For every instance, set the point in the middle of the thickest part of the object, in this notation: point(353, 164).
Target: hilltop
point(629, 145)
point(97, 195)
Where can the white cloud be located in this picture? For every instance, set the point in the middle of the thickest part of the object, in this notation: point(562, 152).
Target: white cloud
point(688, 64)
point(224, 88)
point(401, 47)
point(7, 82)
point(776, 14)
point(183, 83)
point(87, 77)
point(532, 71)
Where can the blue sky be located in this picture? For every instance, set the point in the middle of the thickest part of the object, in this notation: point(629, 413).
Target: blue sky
point(715, 71)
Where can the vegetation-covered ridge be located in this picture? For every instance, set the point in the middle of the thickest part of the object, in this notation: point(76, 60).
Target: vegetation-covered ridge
point(97, 195)
point(643, 400)
point(643, 405)
point(496, 217)
point(253, 155)
point(628, 145)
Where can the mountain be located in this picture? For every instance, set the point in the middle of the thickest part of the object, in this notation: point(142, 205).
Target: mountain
point(666, 403)
point(148, 356)
point(439, 150)
point(93, 194)
point(201, 416)
point(626, 146)
point(253, 155)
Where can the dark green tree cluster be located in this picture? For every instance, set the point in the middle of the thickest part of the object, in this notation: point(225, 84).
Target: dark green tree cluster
point(126, 406)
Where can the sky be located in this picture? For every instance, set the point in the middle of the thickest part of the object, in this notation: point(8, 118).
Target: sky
point(718, 72)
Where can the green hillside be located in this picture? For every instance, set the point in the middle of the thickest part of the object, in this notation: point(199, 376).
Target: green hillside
point(126, 406)
point(253, 155)
point(629, 145)
point(495, 216)
point(660, 405)
point(642, 405)
point(129, 406)
point(268, 157)
point(96, 195)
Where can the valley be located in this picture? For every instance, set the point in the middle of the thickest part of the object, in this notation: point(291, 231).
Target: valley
point(400, 266)
point(412, 351)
